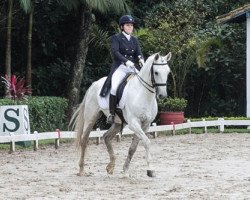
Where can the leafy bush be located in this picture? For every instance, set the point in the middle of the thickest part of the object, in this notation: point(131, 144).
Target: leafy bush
point(172, 104)
point(46, 113)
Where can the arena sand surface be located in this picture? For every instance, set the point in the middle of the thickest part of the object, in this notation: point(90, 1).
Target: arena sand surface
point(205, 166)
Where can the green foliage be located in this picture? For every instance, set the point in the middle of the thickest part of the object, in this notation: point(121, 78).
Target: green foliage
point(99, 38)
point(171, 26)
point(26, 5)
point(46, 113)
point(102, 6)
point(188, 29)
point(47, 79)
point(4, 102)
point(215, 89)
point(169, 104)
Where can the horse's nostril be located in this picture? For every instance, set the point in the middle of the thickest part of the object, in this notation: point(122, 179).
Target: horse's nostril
point(160, 96)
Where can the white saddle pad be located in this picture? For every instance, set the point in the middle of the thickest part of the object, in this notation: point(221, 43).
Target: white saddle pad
point(104, 101)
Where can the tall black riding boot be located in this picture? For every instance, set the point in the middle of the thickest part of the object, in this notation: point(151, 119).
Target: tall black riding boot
point(112, 106)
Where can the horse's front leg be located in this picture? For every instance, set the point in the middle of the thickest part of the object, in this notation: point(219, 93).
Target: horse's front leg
point(131, 152)
point(108, 136)
point(136, 127)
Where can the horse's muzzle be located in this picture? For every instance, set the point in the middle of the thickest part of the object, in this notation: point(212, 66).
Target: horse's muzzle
point(161, 96)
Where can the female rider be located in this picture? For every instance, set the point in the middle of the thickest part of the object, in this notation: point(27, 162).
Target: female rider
point(126, 53)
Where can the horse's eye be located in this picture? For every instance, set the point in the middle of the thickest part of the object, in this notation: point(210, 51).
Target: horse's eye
point(156, 73)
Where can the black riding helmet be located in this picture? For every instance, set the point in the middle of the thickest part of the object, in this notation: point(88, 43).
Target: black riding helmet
point(126, 19)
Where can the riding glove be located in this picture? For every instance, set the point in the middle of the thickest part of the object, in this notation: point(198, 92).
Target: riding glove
point(130, 64)
point(141, 62)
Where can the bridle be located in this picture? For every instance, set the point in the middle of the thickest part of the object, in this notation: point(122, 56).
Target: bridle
point(149, 87)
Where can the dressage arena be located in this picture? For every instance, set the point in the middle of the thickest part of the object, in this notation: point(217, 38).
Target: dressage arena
point(204, 166)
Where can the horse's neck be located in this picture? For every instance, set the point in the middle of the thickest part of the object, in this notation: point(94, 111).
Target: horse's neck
point(140, 86)
point(145, 72)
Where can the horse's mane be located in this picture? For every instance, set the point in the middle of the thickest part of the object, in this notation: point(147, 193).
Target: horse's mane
point(150, 59)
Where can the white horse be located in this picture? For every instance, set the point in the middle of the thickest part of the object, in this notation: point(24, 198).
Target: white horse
point(140, 109)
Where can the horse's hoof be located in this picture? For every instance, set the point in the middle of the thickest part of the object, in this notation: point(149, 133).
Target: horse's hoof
point(151, 173)
point(125, 174)
point(110, 169)
point(79, 174)
point(110, 172)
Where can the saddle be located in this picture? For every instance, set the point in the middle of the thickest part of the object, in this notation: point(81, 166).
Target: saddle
point(107, 84)
point(121, 87)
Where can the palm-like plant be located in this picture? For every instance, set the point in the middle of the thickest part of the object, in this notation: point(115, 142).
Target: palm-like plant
point(102, 6)
point(15, 87)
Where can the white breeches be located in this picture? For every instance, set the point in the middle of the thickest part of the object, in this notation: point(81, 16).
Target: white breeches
point(118, 76)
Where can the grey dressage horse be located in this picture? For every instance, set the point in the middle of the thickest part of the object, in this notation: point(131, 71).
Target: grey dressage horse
point(140, 109)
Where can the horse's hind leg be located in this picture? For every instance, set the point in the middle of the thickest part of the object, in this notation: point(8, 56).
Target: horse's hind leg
point(85, 138)
point(83, 145)
point(108, 136)
point(131, 151)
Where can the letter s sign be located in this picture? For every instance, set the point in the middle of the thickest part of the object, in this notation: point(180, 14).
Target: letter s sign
point(14, 119)
point(11, 118)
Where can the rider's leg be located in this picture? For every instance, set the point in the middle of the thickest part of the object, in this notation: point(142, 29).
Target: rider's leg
point(112, 106)
point(117, 78)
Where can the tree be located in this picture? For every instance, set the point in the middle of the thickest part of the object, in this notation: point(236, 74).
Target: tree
point(8, 40)
point(28, 8)
point(85, 10)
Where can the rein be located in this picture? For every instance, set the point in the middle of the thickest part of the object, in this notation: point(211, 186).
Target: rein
point(154, 84)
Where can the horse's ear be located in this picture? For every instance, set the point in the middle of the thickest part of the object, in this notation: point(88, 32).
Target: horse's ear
point(168, 57)
point(157, 56)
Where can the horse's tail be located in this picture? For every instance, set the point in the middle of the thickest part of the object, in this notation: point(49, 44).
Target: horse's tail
point(77, 121)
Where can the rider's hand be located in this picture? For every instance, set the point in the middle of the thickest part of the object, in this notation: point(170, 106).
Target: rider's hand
point(130, 64)
point(141, 62)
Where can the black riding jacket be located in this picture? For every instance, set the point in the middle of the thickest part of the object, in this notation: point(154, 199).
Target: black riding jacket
point(124, 49)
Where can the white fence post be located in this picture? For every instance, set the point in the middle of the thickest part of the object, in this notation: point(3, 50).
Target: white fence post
point(222, 125)
point(35, 141)
point(98, 139)
point(57, 140)
point(118, 137)
point(205, 126)
point(173, 131)
point(190, 127)
point(12, 144)
point(155, 132)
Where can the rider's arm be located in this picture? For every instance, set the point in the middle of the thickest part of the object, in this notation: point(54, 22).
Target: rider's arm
point(115, 47)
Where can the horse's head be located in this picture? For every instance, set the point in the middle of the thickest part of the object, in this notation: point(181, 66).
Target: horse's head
point(159, 74)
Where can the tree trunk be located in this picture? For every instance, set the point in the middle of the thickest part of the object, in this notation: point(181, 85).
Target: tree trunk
point(29, 51)
point(8, 40)
point(85, 16)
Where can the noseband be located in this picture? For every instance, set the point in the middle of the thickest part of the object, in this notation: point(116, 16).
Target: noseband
point(154, 84)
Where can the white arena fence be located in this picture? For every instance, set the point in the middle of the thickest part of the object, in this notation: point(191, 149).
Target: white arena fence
point(57, 135)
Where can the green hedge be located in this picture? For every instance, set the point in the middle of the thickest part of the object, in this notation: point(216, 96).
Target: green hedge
point(46, 113)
